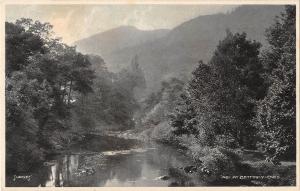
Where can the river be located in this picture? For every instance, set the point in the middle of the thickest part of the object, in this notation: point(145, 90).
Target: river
point(111, 161)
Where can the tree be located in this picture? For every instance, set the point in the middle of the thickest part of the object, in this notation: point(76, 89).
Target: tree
point(157, 107)
point(19, 46)
point(112, 102)
point(183, 117)
point(22, 150)
point(194, 106)
point(276, 116)
point(238, 72)
point(43, 75)
point(137, 73)
point(221, 96)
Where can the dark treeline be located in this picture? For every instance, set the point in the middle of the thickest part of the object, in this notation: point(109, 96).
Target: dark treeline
point(242, 98)
point(54, 94)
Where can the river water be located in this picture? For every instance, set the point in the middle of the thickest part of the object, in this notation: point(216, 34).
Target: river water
point(112, 161)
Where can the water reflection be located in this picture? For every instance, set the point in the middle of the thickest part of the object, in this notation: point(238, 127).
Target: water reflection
point(133, 169)
point(136, 167)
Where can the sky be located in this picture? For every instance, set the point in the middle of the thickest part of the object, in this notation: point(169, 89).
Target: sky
point(75, 22)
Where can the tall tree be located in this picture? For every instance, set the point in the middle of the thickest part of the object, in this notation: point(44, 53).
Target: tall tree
point(194, 106)
point(276, 117)
point(222, 94)
point(238, 69)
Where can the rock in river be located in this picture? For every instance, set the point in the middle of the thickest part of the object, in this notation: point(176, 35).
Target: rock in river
point(165, 177)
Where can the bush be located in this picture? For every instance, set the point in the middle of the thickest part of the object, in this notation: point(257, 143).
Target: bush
point(197, 152)
point(226, 141)
point(162, 132)
point(23, 155)
point(186, 141)
point(286, 174)
point(206, 136)
point(219, 161)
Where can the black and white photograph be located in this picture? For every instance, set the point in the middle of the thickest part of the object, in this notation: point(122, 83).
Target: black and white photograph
point(139, 94)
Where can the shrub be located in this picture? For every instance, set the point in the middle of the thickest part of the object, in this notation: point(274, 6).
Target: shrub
point(220, 161)
point(226, 141)
point(197, 152)
point(162, 133)
point(286, 174)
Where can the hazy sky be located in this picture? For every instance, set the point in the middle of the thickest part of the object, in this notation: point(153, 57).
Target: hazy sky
point(74, 22)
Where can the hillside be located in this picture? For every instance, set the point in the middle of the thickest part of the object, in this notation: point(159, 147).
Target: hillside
point(178, 51)
point(116, 39)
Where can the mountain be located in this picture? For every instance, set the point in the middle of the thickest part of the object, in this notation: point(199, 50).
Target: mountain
point(177, 52)
point(116, 39)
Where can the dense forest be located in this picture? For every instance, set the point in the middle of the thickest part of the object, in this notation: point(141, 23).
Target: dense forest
point(243, 98)
point(55, 95)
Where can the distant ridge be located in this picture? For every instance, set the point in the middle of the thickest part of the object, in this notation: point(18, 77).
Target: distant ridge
point(164, 53)
point(117, 38)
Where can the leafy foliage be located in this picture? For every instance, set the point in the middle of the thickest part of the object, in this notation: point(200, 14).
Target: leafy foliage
point(276, 116)
point(113, 103)
point(240, 99)
point(42, 77)
point(220, 97)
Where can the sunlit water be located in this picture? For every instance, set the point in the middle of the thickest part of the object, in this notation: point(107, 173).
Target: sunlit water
point(138, 166)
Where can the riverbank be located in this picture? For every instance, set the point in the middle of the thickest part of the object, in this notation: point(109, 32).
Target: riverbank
point(110, 161)
point(223, 165)
point(123, 159)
